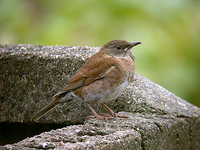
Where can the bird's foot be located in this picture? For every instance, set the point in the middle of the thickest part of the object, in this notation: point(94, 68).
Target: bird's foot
point(104, 116)
point(100, 117)
point(119, 116)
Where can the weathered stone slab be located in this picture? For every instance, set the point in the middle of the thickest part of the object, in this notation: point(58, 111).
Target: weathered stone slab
point(137, 132)
point(30, 75)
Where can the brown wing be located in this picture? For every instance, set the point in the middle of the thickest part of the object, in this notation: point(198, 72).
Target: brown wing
point(95, 68)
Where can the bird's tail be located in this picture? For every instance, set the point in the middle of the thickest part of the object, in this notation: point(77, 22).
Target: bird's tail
point(47, 108)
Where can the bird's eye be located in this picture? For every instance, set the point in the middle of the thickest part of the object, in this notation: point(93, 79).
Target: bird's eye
point(119, 47)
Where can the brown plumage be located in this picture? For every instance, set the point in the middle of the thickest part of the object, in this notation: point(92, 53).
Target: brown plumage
point(102, 78)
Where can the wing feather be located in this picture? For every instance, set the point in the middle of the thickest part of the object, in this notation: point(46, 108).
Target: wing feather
point(95, 68)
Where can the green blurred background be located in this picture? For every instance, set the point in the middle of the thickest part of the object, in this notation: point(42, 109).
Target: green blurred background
point(169, 31)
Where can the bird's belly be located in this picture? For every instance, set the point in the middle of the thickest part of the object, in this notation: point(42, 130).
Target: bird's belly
point(100, 92)
point(114, 93)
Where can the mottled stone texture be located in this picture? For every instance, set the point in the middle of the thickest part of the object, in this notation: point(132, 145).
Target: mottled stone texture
point(30, 75)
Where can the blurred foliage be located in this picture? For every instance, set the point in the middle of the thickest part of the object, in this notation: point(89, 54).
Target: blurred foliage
point(169, 31)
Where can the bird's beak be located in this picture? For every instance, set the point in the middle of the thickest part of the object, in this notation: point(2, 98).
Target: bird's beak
point(132, 45)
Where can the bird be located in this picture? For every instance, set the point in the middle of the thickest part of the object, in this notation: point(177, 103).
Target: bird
point(103, 78)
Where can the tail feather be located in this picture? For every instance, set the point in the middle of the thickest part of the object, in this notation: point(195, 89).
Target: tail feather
point(47, 108)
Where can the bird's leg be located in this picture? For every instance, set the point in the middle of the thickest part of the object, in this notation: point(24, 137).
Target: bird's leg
point(95, 114)
point(111, 112)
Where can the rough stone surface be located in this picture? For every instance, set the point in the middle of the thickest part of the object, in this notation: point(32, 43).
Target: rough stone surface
point(137, 132)
point(31, 75)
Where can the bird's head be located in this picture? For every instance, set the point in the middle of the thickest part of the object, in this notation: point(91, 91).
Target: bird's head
point(117, 48)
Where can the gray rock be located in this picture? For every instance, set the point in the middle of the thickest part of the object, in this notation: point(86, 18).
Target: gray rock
point(137, 132)
point(31, 75)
